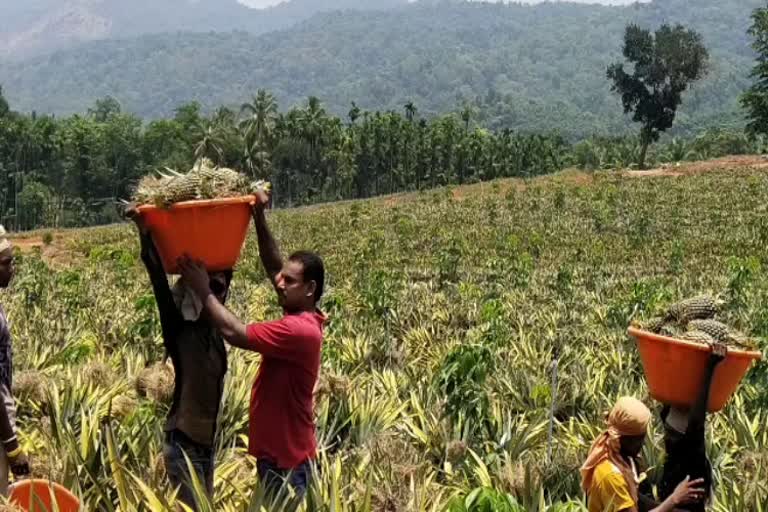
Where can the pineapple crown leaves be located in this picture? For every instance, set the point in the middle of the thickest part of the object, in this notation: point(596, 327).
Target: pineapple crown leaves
point(203, 181)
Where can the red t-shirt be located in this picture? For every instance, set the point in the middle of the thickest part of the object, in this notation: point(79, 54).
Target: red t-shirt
point(282, 426)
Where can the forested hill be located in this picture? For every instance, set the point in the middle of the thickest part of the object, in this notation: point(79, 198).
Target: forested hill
point(527, 67)
point(29, 27)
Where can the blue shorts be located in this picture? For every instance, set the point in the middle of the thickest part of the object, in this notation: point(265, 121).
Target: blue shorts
point(275, 481)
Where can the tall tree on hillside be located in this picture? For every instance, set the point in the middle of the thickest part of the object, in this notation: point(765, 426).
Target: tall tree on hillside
point(466, 116)
point(4, 108)
point(189, 119)
point(313, 119)
point(209, 142)
point(104, 108)
point(410, 111)
point(665, 65)
point(260, 117)
point(755, 99)
point(224, 117)
point(354, 113)
point(259, 126)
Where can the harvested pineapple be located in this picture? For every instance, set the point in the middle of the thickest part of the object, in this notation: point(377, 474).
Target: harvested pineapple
point(701, 307)
point(698, 337)
point(715, 329)
point(694, 320)
point(203, 181)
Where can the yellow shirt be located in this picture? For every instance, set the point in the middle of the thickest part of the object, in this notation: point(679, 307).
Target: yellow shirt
point(609, 492)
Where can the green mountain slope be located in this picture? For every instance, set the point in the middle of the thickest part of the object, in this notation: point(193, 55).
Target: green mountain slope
point(41, 26)
point(525, 67)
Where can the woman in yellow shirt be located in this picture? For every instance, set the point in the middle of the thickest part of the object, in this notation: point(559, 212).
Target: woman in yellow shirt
point(609, 476)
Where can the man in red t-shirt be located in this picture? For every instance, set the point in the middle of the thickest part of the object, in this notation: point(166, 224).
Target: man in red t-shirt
point(282, 428)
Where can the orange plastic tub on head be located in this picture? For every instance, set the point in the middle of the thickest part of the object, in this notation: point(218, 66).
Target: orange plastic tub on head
point(675, 369)
point(39, 496)
point(212, 231)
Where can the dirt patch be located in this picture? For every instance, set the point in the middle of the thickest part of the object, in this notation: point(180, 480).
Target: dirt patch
point(28, 244)
point(571, 176)
point(574, 176)
point(688, 168)
point(58, 252)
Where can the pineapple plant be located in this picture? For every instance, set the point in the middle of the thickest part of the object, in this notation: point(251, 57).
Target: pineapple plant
point(478, 346)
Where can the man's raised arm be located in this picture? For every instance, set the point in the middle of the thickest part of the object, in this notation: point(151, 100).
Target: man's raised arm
point(268, 249)
point(230, 327)
point(169, 316)
point(698, 413)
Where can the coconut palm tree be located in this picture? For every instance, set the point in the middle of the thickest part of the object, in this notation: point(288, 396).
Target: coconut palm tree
point(260, 117)
point(466, 116)
point(258, 161)
point(210, 142)
point(410, 111)
point(354, 113)
point(313, 118)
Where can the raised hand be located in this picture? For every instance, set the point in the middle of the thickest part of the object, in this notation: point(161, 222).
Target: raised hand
point(131, 212)
point(17, 459)
point(262, 200)
point(194, 274)
point(719, 352)
point(688, 491)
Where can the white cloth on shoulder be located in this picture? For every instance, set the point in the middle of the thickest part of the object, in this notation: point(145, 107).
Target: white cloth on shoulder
point(677, 419)
point(187, 301)
point(4, 242)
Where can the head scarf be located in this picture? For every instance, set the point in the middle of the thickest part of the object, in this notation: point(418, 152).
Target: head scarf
point(629, 417)
point(4, 242)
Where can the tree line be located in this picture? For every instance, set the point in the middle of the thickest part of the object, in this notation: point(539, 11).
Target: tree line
point(71, 171)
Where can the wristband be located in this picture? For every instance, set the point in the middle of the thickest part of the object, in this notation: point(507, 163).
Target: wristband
point(15, 453)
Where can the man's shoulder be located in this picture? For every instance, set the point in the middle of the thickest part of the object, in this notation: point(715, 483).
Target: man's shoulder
point(305, 324)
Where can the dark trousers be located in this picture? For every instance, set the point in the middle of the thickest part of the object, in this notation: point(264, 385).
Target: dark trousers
point(176, 445)
point(276, 483)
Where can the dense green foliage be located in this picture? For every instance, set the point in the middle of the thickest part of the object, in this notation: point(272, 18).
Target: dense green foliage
point(755, 100)
point(624, 152)
point(42, 26)
point(445, 309)
point(664, 65)
point(536, 68)
point(66, 172)
point(70, 171)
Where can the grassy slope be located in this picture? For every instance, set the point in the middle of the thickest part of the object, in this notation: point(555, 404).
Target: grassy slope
point(561, 261)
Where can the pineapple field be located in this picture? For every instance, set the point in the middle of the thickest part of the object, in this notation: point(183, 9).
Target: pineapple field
point(448, 309)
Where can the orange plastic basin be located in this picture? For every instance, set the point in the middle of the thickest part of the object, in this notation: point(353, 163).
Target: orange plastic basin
point(675, 369)
point(40, 495)
point(212, 231)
